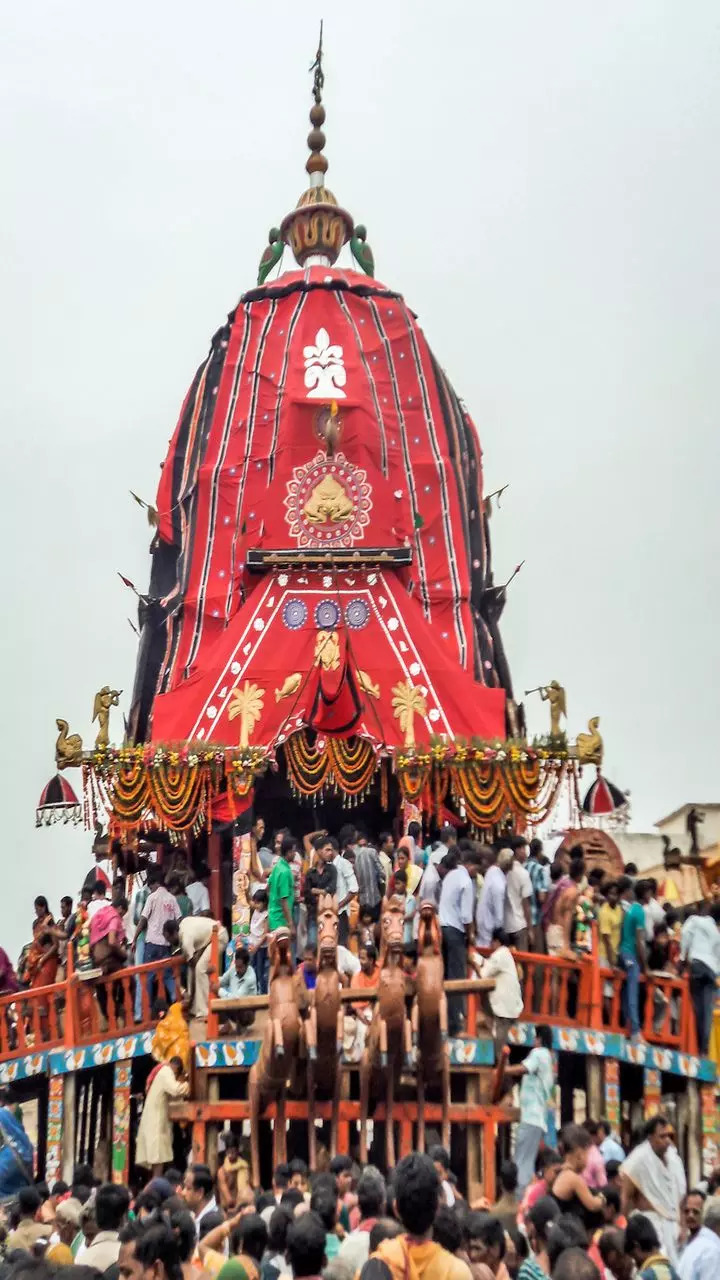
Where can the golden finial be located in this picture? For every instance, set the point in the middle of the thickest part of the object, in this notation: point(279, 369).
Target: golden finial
point(317, 229)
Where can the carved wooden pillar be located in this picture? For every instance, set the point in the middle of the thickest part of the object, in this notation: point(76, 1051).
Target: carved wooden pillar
point(69, 1089)
point(651, 1092)
point(694, 1161)
point(121, 1121)
point(611, 1109)
point(709, 1129)
point(594, 1085)
point(54, 1138)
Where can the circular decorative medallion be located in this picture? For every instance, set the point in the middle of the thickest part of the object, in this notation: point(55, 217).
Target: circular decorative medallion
point(357, 614)
point(327, 615)
point(328, 503)
point(295, 614)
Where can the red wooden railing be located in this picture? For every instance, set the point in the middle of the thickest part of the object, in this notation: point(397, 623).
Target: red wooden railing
point(82, 1009)
point(105, 1005)
point(559, 991)
point(32, 1020)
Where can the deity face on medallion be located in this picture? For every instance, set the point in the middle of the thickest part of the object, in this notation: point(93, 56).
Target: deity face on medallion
point(328, 503)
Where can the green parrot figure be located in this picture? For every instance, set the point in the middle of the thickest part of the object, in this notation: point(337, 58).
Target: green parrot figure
point(271, 256)
point(361, 251)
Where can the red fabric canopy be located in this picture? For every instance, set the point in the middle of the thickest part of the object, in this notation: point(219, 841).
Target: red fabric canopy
point(329, 650)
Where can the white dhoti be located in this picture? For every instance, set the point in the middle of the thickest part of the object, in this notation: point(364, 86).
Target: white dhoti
point(662, 1185)
point(355, 1033)
point(201, 993)
point(154, 1144)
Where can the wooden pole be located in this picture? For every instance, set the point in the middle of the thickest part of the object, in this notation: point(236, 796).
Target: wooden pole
point(212, 1132)
point(69, 1122)
point(214, 859)
point(694, 1163)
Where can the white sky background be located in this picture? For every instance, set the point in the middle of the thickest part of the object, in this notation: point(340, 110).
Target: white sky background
point(540, 181)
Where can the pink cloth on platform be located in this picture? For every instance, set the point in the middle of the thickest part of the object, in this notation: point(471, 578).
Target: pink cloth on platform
point(106, 921)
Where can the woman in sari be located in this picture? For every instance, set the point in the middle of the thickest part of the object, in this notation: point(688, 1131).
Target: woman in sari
point(41, 961)
point(8, 978)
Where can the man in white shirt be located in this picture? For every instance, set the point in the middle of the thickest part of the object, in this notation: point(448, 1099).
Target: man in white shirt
point(518, 899)
point(654, 913)
point(194, 937)
point(99, 898)
point(160, 907)
point(700, 951)
point(348, 964)
point(347, 888)
point(446, 841)
point(700, 1258)
point(505, 999)
point(197, 1191)
point(197, 892)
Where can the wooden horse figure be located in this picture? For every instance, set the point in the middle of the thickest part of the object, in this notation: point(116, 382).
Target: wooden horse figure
point(279, 1051)
point(430, 1022)
point(325, 1025)
point(388, 1041)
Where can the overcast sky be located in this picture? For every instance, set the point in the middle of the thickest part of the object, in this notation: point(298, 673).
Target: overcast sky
point(539, 180)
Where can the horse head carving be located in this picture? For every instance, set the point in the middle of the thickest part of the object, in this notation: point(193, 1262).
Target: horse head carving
point(428, 929)
point(280, 955)
point(327, 924)
point(392, 927)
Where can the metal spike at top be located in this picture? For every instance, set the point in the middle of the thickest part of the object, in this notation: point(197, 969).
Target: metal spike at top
point(317, 164)
point(316, 66)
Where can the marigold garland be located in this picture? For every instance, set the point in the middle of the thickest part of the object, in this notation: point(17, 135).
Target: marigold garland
point(175, 786)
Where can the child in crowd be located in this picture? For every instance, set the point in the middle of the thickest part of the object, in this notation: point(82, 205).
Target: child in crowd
point(367, 935)
point(308, 968)
point(257, 940)
point(410, 959)
point(401, 891)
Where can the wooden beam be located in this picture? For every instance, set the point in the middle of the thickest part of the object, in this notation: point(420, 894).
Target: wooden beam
point(403, 1112)
point(347, 996)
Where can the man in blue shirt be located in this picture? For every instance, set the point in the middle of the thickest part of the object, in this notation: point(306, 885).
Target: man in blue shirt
point(538, 868)
point(457, 908)
point(631, 953)
point(536, 1093)
point(608, 1146)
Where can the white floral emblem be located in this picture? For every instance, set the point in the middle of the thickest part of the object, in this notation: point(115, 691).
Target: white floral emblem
point(325, 374)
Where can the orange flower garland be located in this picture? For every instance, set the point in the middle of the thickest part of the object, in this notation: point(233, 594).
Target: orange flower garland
point(174, 787)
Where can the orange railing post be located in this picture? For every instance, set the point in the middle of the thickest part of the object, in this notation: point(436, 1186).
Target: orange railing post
point(594, 980)
point(72, 1022)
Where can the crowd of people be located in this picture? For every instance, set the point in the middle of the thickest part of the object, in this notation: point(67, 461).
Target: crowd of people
point(493, 901)
point(588, 1213)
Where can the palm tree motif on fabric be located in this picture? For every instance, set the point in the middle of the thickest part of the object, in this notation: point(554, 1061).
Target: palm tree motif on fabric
point(325, 374)
point(408, 702)
point(247, 703)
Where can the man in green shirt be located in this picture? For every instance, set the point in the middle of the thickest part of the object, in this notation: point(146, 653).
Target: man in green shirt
point(281, 889)
point(631, 953)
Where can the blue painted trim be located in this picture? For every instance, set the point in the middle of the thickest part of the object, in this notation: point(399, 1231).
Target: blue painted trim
point(607, 1044)
point(463, 1053)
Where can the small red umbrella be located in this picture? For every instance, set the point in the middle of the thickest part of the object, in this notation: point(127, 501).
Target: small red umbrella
point(58, 803)
point(603, 798)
